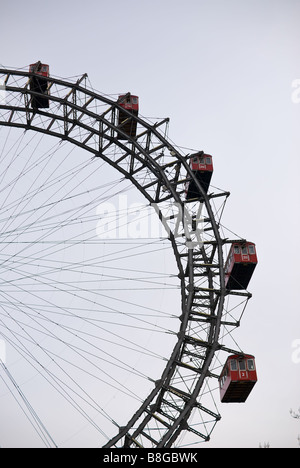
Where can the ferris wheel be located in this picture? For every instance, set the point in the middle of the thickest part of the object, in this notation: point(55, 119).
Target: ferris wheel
point(66, 300)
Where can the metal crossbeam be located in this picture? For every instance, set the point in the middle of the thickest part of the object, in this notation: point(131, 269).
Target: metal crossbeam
point(159, 171)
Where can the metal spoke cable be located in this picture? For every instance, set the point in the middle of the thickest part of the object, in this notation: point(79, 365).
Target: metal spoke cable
point(68, 393)
point(68, 265)
point(33, 417)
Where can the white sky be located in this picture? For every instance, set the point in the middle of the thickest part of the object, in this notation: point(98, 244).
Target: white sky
point(223, 73)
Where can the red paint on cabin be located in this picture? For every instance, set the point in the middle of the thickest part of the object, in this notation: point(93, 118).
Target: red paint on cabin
point(39, 84)
point(39, 69)
point(202, 166)
point(237, 378)
point(240, 265)
point(128, 125)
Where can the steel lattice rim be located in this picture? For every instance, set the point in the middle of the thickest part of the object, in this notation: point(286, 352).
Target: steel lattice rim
point(155, 167)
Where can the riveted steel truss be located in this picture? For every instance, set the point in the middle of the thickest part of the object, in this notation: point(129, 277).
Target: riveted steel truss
point(159, 171)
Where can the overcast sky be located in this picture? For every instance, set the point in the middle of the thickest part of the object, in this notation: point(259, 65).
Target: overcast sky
point(226, 73)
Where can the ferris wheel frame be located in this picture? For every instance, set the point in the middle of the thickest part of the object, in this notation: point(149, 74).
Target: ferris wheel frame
point(155, 167)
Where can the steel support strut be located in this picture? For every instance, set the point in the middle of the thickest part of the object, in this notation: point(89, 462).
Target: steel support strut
point(158, 170)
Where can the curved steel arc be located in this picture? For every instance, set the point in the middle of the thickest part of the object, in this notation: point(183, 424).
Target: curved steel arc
point(143, 161)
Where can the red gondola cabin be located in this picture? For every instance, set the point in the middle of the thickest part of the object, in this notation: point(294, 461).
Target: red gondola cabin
point(202, 166)
point(237, 378)
point(39, 84)
point(240, 265)
point(127, 124)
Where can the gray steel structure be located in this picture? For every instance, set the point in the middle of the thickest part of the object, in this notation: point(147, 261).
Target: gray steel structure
point(159, 171)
